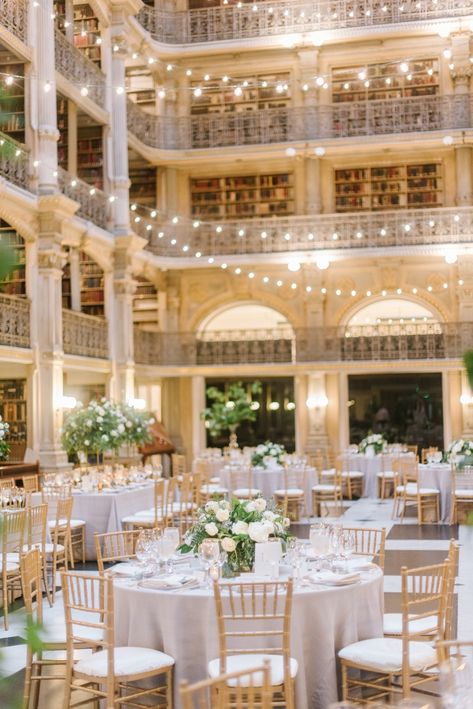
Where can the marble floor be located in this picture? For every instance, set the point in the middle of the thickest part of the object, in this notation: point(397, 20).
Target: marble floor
point(408, 544)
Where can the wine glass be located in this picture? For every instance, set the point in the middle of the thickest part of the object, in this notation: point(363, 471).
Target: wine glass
point(319, 538)
point(171, 540)
point(209, 552)
point(347, 546)
point(143, 551)
point(456, 677)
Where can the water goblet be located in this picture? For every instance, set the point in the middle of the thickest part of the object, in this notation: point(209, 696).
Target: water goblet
point(456, 678)
point(347, 546)
point(209, 552)
point(171, 537)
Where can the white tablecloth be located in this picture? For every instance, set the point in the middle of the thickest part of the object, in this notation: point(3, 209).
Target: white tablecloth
point(370, 466)
point(270, 479)
point(183, 625)
point(103, 511)
point(439, 475)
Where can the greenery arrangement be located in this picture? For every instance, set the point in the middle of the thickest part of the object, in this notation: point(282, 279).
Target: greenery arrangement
point(266, 452)
point(460, 446)
point(374, 441)
point(229, 409)
point(104, 426)
point(239, 525)
point(4, 447)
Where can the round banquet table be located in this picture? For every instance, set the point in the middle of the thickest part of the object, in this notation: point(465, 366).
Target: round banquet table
point(371, 466)
point(183, 625)
point(270, 479)
point(439, 475)
point(103, 511)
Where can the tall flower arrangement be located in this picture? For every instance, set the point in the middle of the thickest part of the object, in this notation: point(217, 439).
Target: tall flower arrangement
point(4, 447)
point(103, 426)
point(375, 442)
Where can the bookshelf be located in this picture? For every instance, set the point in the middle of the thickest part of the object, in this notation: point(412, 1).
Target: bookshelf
point(63, 128)
point(140, 86)
point(12, 97)
point(143, 185)
point(87, 32)
point(15, 283)
point(218, 97)
point(243, 196)
point(90, 154)
point(92, 295)
point(391, 187)
point(385, 81)
point(145, 305)
point(14, 411)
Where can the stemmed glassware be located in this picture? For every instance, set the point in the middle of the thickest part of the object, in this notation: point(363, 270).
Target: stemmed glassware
point(167, 546)
point(456, 679)
point(347, 546)
point(209, 555)
point(144, 549)
point(319, 538)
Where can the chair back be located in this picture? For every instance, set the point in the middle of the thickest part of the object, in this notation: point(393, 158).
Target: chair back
point(30, 569)
point(413, 449)
point(245, 689)
point(369, 542)
point(62, 517)
point(425, 453)
point(13, 532)
point(178, 464)
point(453, 556)
point(115, 546)
point(295, 476)
point(7, 482)
point(240, 476)
point(88, 610)
point(37, 525)
point(30, 483)
point(463, 478)
point(408, 469)
point(252, 617)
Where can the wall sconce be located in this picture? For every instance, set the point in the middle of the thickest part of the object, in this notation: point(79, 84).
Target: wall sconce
point(68, 402)
point(317, 402)
point(466, 400)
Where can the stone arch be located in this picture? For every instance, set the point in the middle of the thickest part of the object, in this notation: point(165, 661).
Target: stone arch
point(435, 308)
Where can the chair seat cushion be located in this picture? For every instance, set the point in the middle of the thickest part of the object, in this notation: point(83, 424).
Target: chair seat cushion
point(386, 474)
point(212, 489)
point(385, 654)
point(411, 489)
point(11, 567)
point(128, 661)
point(236, 663)
point(75, 523)
point(392, 624)
point(215, 480)
point(290, 492)
point(463, 493)
point(328, 473)
point(48, 547)
point(246, 492)
point(325, 488)
point(352, 474)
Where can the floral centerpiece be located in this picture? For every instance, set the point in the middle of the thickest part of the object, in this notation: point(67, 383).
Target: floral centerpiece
point(103, 426)
point(373, 444)
point(268, 452)
point(239, 525)
point(4, 447)
point(459, 447)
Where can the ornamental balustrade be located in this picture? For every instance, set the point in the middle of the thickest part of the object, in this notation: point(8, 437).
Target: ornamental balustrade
point(14, 321)
point(85, 335)
point(354, 231)
point(410, 341)
point(267, 18)
point(94, 204)
point(320, 122)
point(14, 161)
point(78, 69)
point(14, 17)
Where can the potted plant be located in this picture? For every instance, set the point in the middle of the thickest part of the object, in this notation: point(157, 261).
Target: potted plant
point(229, 409)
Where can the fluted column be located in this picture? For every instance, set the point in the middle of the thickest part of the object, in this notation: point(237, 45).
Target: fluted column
point(316, 404)
point(463, 165)
point(313, 192)
point(43, 39)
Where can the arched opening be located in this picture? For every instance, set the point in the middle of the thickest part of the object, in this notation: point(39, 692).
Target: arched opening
point(392, 316)
point(245, 317)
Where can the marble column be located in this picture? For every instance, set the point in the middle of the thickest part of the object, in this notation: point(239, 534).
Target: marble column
point(316, 403)
point(198, 425)
point(344, 428)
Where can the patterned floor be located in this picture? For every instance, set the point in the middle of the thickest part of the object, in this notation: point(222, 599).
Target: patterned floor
point(407, 544)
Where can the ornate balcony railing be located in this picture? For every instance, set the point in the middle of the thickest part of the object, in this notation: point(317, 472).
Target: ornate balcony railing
point(14, 321)
point(94, 204)
point(330, 344)
point(14, 161)
point(322, 122)
point(354, 232)
point(230, 22)
point(77, 68)
point(14, 17)
point(85, 335)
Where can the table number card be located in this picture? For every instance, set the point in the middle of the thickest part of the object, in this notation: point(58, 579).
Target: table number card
point(267, 558)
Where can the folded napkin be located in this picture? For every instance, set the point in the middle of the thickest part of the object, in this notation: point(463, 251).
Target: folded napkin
point(360, 563)
point(329, 578)
point(124, 569)
point(169, 582)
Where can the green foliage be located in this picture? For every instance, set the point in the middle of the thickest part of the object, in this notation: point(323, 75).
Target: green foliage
point(468, 362)
point(229, 409)
point(8, 259)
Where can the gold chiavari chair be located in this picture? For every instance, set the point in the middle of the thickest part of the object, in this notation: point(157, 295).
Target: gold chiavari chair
point(180, 506)
point(244, 689)
point(6, 483)
point(37, 537)
point(12, 539)
point(58, 550)
point(326, 495)
point(254, 624)
point(392, 622)
point(352, 480)
point(462, 491)
point(71, 532)
point(425, 453)
point(454, 652)
point(115, 546)
point(370, 667)
point(156, 516)
point(240, 482)
point(108, 673)
point(178, 464)
point(30, 483)
point(291, 498)
point(386, 477)
point(413, 449)
point(410, 492)
point(369, 542)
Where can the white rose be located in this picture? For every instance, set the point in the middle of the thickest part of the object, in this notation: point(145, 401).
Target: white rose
point(120, 428)
point(86, 443)
point(101, 411)
point(287, 522)
point(250, 506)
point(128, 424)
point(269, 526)
point(211, 529)
point(258, 532)
point(260, 504)
point(261, 449)
point(269, 515)
point(89, 423)
point(228, 545)
point(211, 506)
point(240, 527)
point(224, 504)
point(222, 515)
point(99, 419)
